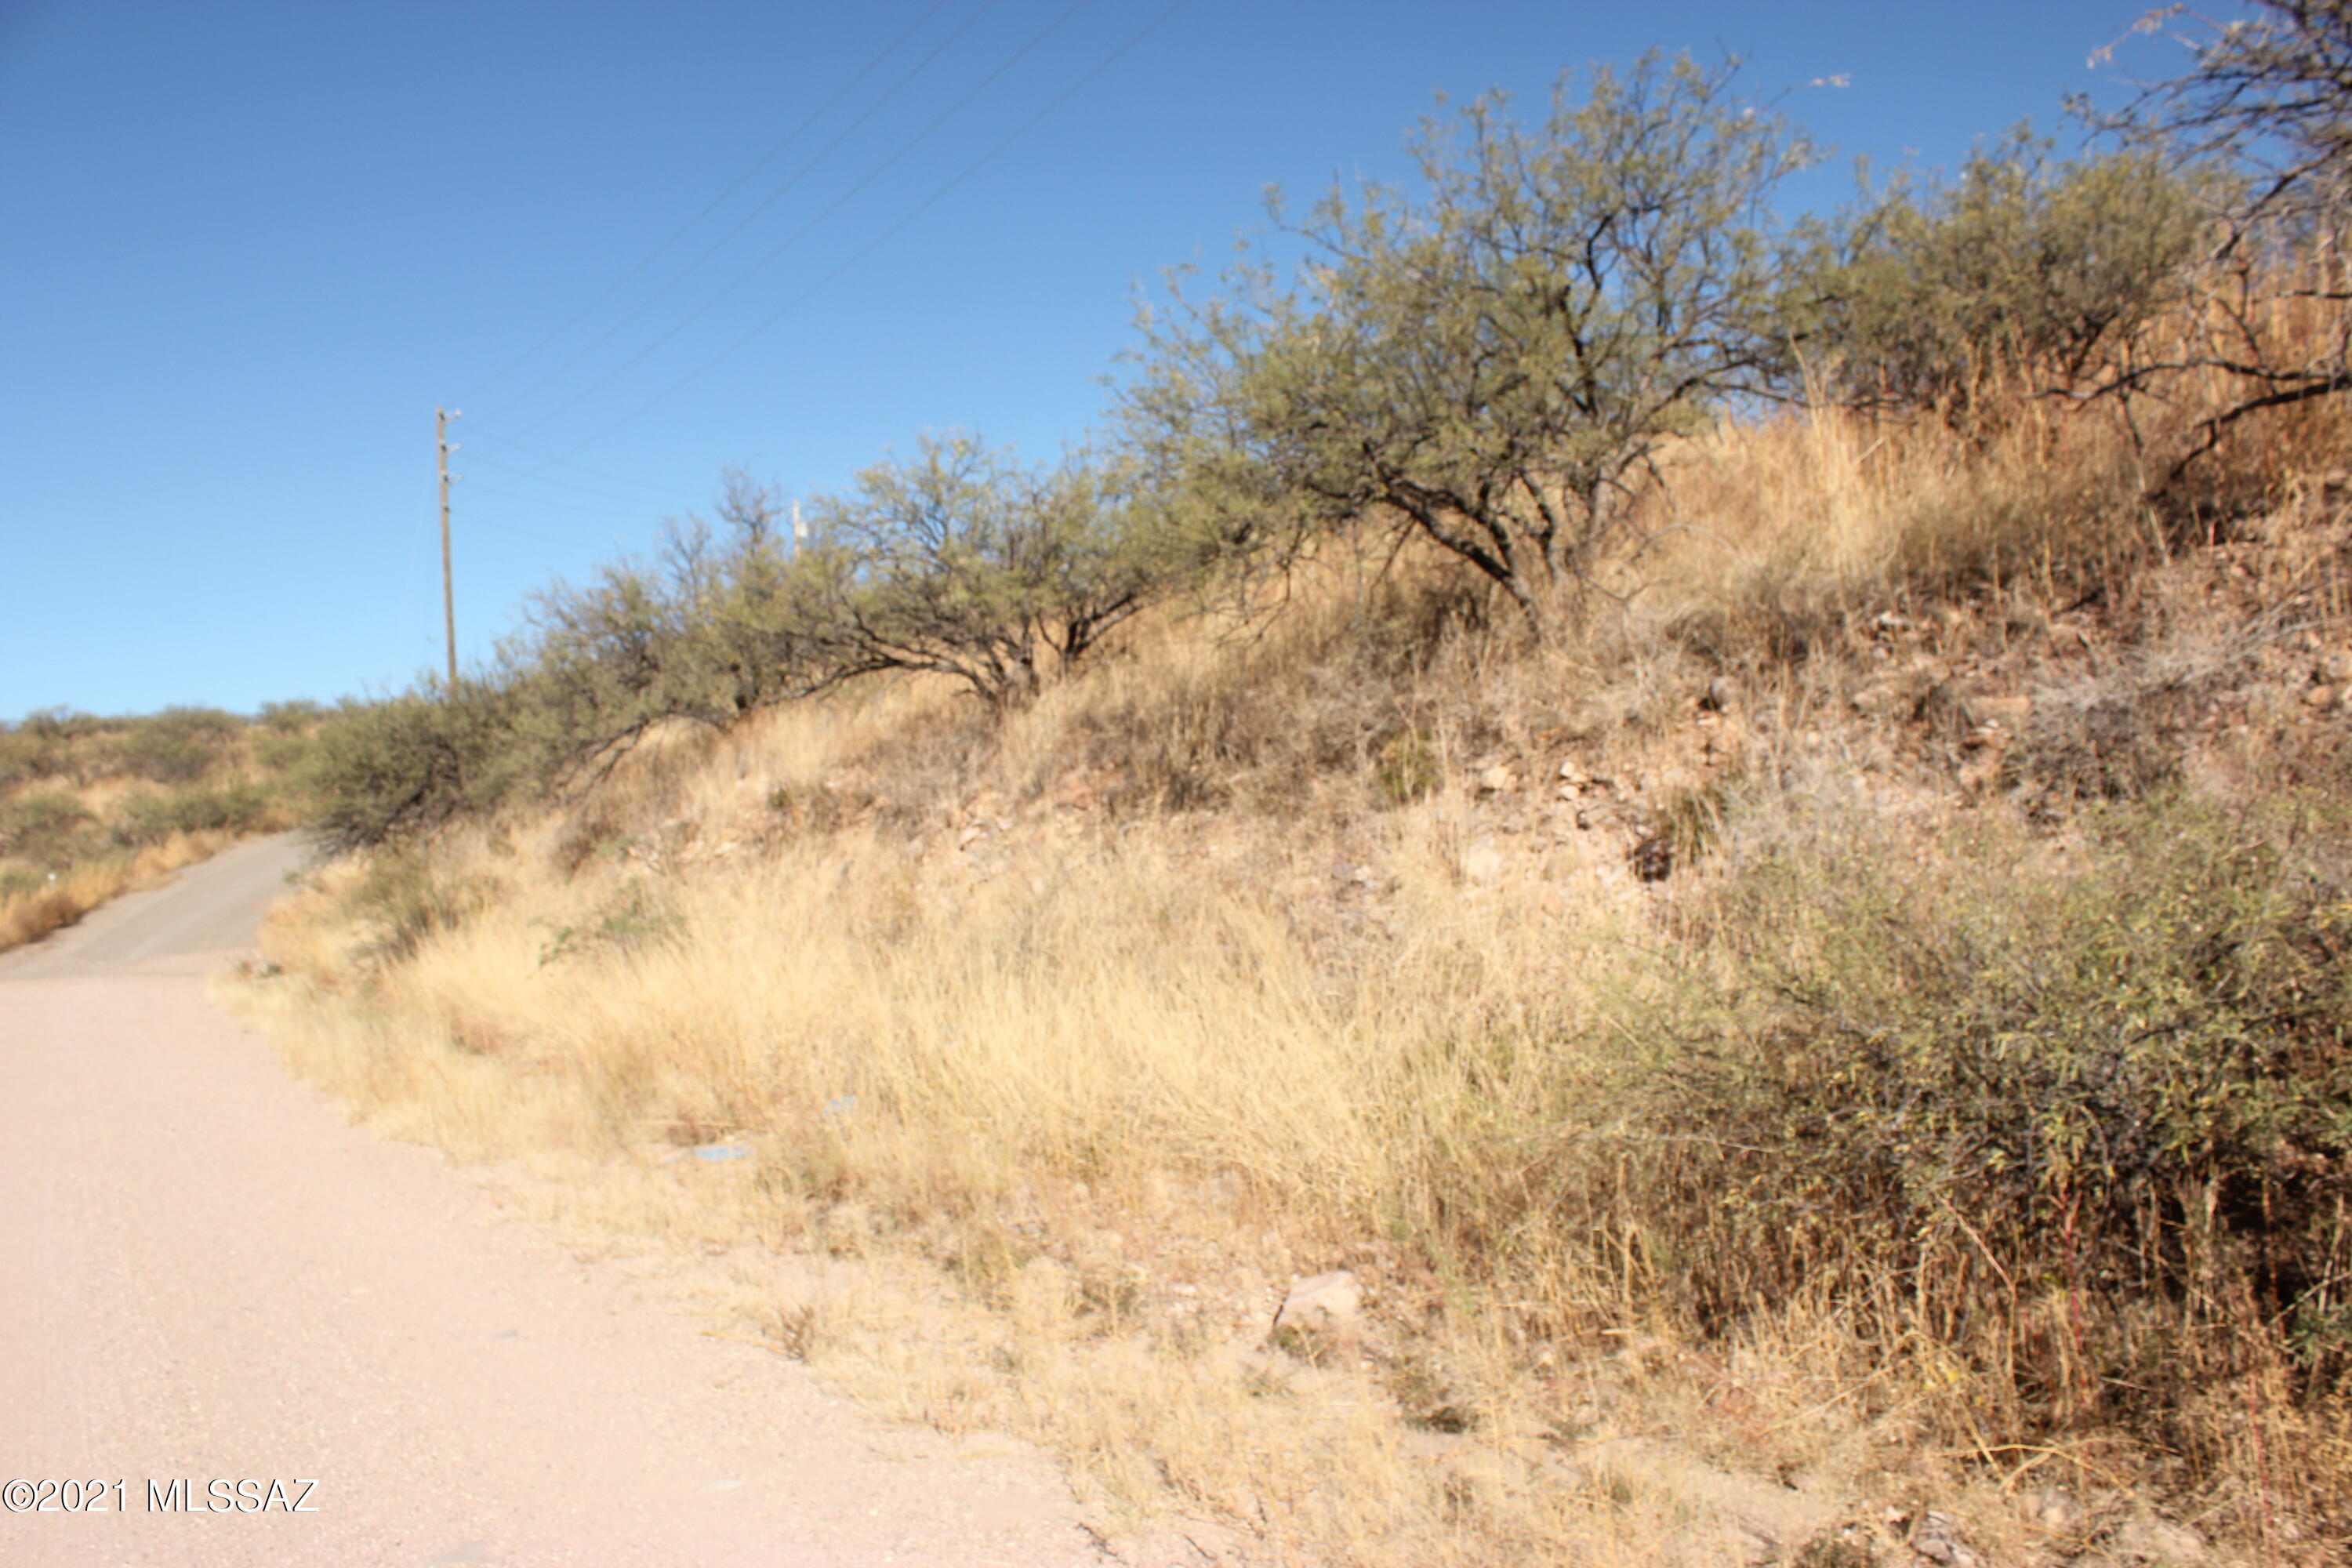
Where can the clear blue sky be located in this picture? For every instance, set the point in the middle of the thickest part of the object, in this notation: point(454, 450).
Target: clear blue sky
point(248, 248)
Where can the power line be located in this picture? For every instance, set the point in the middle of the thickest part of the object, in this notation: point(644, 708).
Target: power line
point(555, 505)
point(745, 178)
point(494, 525)
point(577, 467)
point(604, 491)
point(871, 175)
point(875, 243)
point(720, 243)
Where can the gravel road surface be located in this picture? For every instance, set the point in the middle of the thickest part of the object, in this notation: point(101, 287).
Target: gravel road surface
point(258, 1335)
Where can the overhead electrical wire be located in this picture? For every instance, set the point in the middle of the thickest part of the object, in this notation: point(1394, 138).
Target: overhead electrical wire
point(745, 178)
point(612, 490)
point(504, 527)
point(876, 242)
point(838, 203)
point(555, 505)
point(476, 433)
point(770, 200)
point(514, 475)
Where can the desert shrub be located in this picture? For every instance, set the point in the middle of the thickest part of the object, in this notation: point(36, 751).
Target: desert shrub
point(42, 746)
point(279, 751)
point(179, 745)
point(234, 808)
point(27, 758)
point(2023, 267)
point(48, 828)
point(962, 561)
point(60, 724)
point(634, 918)
point(291, 718)
point(1494, 363)
point(1941, 1104)
point(404, 766)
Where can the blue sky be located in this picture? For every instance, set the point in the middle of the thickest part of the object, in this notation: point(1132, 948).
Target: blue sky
point(249, 246)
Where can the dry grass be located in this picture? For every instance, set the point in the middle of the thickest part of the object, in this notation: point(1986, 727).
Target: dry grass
point(90, 808)
point(30, 916)
point(1055, 1051)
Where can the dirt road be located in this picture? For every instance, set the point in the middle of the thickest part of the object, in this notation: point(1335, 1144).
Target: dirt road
point(257, 1335)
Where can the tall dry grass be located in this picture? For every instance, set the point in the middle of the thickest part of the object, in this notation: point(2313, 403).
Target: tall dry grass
point(91, 807)
point(1062, 1043)
point(29, 916)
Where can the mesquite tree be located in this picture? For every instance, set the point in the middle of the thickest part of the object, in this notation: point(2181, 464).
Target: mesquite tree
point(2268, 99)
point(965, 563)
point(1493, 357)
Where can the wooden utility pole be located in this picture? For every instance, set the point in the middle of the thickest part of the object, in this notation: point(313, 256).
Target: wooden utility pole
point(449, 591)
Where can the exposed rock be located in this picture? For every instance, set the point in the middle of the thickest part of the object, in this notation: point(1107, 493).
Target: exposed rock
point(2150, 1542)
point(1497, 780)
point(1846, 1546)
point(1879, 701)
point(1937, 1538)
point(1483, 862)
point(2010, 712)
point(1759, 1543)
point(1321, 1303)
point(2054, 1510)
point(1719, 697)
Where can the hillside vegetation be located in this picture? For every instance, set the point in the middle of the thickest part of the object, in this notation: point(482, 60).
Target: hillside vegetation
point(1746, 825)
point(91, 807)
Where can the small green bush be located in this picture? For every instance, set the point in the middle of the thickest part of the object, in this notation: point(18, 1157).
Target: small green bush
point(291, 718)
point(237, 808)
point(280, 752)
point(634, 918)
point(1944, 1099)
point(179, 745)
point(2022, 264)
point(47, 828)
point(41, 746)
point(402, 767)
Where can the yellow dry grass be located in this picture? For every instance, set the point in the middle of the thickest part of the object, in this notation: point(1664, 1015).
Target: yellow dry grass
point(28, 917)
point(81, 823)
point(1046, 1088)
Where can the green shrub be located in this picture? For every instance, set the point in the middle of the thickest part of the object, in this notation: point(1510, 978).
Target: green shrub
point(1495, 358)
point(2022, 264)
point(634, 918)
point(179, 745)
point(962, 561)
point(150, 819)
point(402, 767)
point(48, 828)
point(293, 718)
point(280, 752)
point(41, 746)
point(1938, 1101)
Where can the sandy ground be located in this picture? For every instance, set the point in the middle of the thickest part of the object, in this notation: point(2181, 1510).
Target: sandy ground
point(211, 1278)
